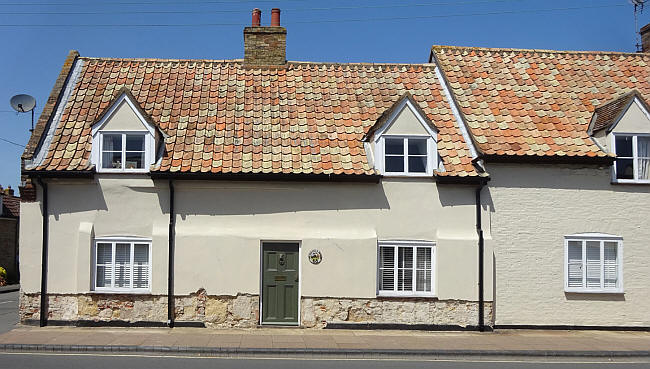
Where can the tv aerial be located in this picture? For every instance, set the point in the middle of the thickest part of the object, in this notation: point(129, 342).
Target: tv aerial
point(638, 9)
point(22, 104)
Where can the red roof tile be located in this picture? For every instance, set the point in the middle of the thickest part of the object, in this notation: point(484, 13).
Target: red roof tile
point(538, 102)
point(222, 117)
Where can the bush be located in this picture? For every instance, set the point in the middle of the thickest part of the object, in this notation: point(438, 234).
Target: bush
point(3, 276)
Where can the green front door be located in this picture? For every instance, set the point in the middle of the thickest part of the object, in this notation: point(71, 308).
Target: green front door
point(280, 283)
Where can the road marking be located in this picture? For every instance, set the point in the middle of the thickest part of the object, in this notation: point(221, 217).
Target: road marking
point(322, 359)
point(6, 302)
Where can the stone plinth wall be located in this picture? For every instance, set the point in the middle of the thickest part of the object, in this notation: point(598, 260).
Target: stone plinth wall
point(242, 311)
point(317, 312)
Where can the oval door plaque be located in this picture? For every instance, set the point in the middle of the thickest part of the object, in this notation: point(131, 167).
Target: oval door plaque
point(315, 257)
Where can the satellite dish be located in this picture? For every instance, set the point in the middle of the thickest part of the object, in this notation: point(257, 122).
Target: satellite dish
point(22, 103)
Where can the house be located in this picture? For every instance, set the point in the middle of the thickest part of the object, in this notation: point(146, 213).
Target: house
point(9, 215)
point(487, 187)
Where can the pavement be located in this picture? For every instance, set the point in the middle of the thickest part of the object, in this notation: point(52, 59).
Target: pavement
point(296, 342)
point(9, 288)
point(328, 343)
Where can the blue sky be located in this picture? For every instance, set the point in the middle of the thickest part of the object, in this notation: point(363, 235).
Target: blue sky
point(38, 34)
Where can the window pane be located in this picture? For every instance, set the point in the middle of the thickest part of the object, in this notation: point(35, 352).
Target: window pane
point(417, 164)
point(112, 160)
point(135, 143)
point(611, 265)
point(104, 264)
point(123, 265)
point(405, 269)
point(644, 168)
point(394, 163)
point(593, 264)
point(112, 142)
point(141, 266)
point(575, 264)
point(394, 146)
point(624, 146)
point(386, 271)
point(134, 160)
point(643, 146)
point(417, 146)
point(624, 169)
point(423, 275)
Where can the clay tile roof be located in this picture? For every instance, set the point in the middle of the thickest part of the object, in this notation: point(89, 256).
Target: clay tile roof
point(609, 113)
point(538, 103)
point(224, 117)
point(10, 206)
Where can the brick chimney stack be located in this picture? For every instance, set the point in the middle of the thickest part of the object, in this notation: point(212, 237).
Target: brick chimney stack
point(645, 38)
point(265, 45)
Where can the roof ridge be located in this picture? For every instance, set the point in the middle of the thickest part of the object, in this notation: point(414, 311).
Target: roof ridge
point(505, 49)
point(296, 62)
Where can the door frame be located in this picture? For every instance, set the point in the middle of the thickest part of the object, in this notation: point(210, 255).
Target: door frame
point(261, 279)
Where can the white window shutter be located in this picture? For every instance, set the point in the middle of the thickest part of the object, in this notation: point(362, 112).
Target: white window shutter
point(575, 264)
point(610, 265)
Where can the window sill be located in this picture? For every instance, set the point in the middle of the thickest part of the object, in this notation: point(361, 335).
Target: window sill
point(397, 294)
point(123, 292)
point(630, 181)
point(408, 175)
point(600, 291)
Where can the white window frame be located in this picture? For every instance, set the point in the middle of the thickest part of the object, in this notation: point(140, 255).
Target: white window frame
point(147, 151)
point(113, 241)
point(147, 129)
point(414, 245)
point(601, 238)
point(430, 157)
point(635, 158)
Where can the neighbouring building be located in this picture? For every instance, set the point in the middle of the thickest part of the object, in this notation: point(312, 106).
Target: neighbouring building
point(9, 220)
point(487, 187)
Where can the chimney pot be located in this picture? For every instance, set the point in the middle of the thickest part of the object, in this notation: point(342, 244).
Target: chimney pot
point(10, 191)
point(257, 17)
point(645, 38)
point(275, 17)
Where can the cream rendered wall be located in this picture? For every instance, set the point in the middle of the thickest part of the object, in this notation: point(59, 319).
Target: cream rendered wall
point(535, 206)
point(406, 123)
point(635, 120)
point(83, 209)
point(124, 119)
point(220, 226)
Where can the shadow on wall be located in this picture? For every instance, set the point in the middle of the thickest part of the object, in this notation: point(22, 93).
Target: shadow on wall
point(454, 195)
point(571, 296)
point(247, 198)
point(70, 197)
point(559, 176)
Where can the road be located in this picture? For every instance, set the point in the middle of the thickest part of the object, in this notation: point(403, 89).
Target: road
point(65, 361)
point(8, 311)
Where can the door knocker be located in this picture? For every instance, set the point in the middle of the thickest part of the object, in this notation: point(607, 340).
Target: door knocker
point(281, 261)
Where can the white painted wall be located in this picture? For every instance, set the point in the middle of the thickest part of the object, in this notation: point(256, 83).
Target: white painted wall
point(535, 206)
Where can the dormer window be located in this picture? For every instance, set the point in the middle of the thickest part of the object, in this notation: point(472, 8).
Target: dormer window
point(404, 141)
point(123, 140)
point(632, 158)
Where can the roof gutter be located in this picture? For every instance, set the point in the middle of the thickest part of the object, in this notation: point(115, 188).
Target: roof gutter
point(60, 173)
point(539, 159)
point(367, 178)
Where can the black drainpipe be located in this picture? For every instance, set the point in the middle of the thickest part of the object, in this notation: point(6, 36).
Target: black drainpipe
point(43, 310)
point(479, 230)
point(170, 268)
